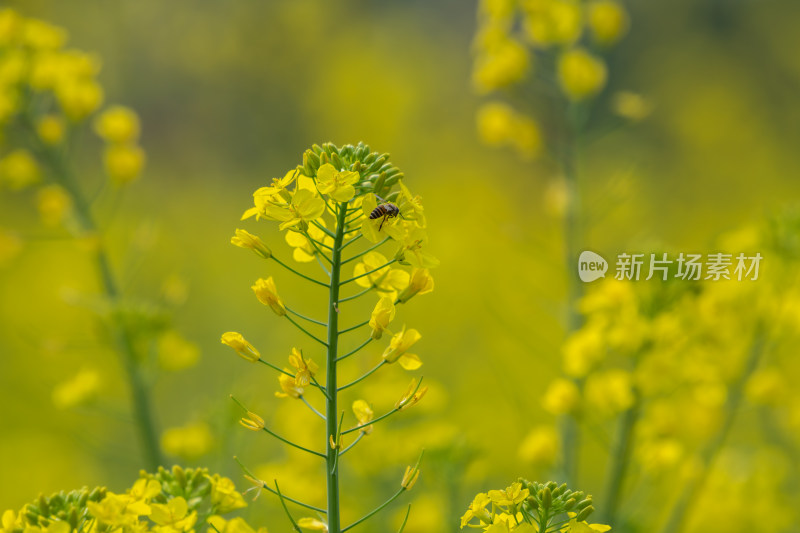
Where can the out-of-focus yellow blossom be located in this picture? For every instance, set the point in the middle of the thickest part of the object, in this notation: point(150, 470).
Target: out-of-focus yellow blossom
point(79, 98)
point(540, 445)
point(500, 125)
point(234, 525)
point(411, 206)
point(584, 527)
point(41, 35)
point(608, 21)
point(18, 169)
point(660, 455)
point(412, 251)
point(582, 350)
point(252, 421)
point(499, 65)
point(123, 163)
point(117, 125)
point(549, 22)
point(338, 184)
point(497, 9)
point(421, 283)
point(631, 106)
point(144, 489)
point(561, 397)
point(173, 515)
point(312, 524)
point(767, 386)
point(276, 193)
point(78, 390)
point(50, 129)
point(10, 245)
point(581, 74)
point(477, 509)
point(611, 391)
point(245, 239)
point(304, 368)
point(382, 315)
point(176, 353)
point(267, 294)
point(190, 442)
point(53, 204)
point(304, 250)
point(10, 521)
point(411, 397)
point(410, 477)
point(398, 348)
point(242, 347)
point(364, 415)
point(387, 281)
point(511, 495)
point(289, 388)
point(224, 495)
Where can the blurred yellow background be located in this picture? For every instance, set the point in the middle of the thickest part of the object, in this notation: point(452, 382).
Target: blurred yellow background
point(231, 93)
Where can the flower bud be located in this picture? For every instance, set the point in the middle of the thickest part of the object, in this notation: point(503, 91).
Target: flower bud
point(421, 283)
point(245, 239)
point(242, 347)
point(584, 514)
point(547, 498)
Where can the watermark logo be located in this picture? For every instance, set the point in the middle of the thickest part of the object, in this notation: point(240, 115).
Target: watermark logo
point(695, 267)
point(591, 266)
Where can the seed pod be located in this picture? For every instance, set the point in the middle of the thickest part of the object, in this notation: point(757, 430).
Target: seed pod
point(569, 504)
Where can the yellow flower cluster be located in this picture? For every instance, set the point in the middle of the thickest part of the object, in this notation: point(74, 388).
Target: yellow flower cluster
point(513, 37)
point(48, 89)
point(530, 507)
point(176, 501)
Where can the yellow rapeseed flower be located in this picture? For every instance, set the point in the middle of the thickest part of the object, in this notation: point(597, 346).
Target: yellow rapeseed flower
point(313, 524)
point(242, 347)
point(561, 397)
point(245, 239)
point(176, 353)
point(50, 129)
point(173, 515)
point(53, 204)
point(79, 98)
point(581, 74)
point(499, 65)
point(421, 283)
point(18, 169)
point(304, 250)
point(477, 509)
point(410, 477)
point(608, 21)
point(123, 162)
point(387, 281)
point(304, 368)
point(289, 387)
point(382, 315)
point(118, 125)
point(398, 348)
point(549, 22)
point(267, 294)
point(411, 397)
point(252, 421)
point(304, 207)
point(364, 415)
point(191, 441)
point(511, 495)
point(78, 390)
point(338, 184)
point(540, 446)
point(224, 496)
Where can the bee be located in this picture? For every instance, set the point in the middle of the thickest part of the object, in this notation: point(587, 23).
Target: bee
point(386, 210)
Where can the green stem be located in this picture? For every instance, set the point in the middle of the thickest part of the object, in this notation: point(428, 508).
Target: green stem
point(619, 463)
point(376, 510)
point(365, 376)
point(360, 435)
point(331, 408)
point(688, 497)
point(123, 336)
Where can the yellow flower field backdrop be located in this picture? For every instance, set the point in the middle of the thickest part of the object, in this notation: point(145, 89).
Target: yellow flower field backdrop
point(228, 97)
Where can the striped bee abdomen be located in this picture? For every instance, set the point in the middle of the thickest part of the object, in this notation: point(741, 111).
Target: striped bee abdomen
point(384, 210)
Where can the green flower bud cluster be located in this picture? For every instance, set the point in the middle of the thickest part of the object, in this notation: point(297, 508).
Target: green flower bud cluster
point(193, 484)
point(69, 507)
point(548, 500)
point(377, 174)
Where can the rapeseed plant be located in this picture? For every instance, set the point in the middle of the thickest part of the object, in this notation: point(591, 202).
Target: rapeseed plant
point(329, 208)
point(49, 94)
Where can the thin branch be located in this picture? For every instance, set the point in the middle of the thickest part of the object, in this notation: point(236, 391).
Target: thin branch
point(282, 371)
point(376, 510)
point(353, 297)
point(351, 241)
point(326, 231)
point(367, 273)
point(360, 435)
point(365, 376)
point(270, 489)
point(309, 278)
point(312, 407)
point(283, 503)
point(405, 520)
point(309, 319)
point(348, 354)
point(368, 250)
point(301, 328)
point(354, 327)
point(314, 245)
